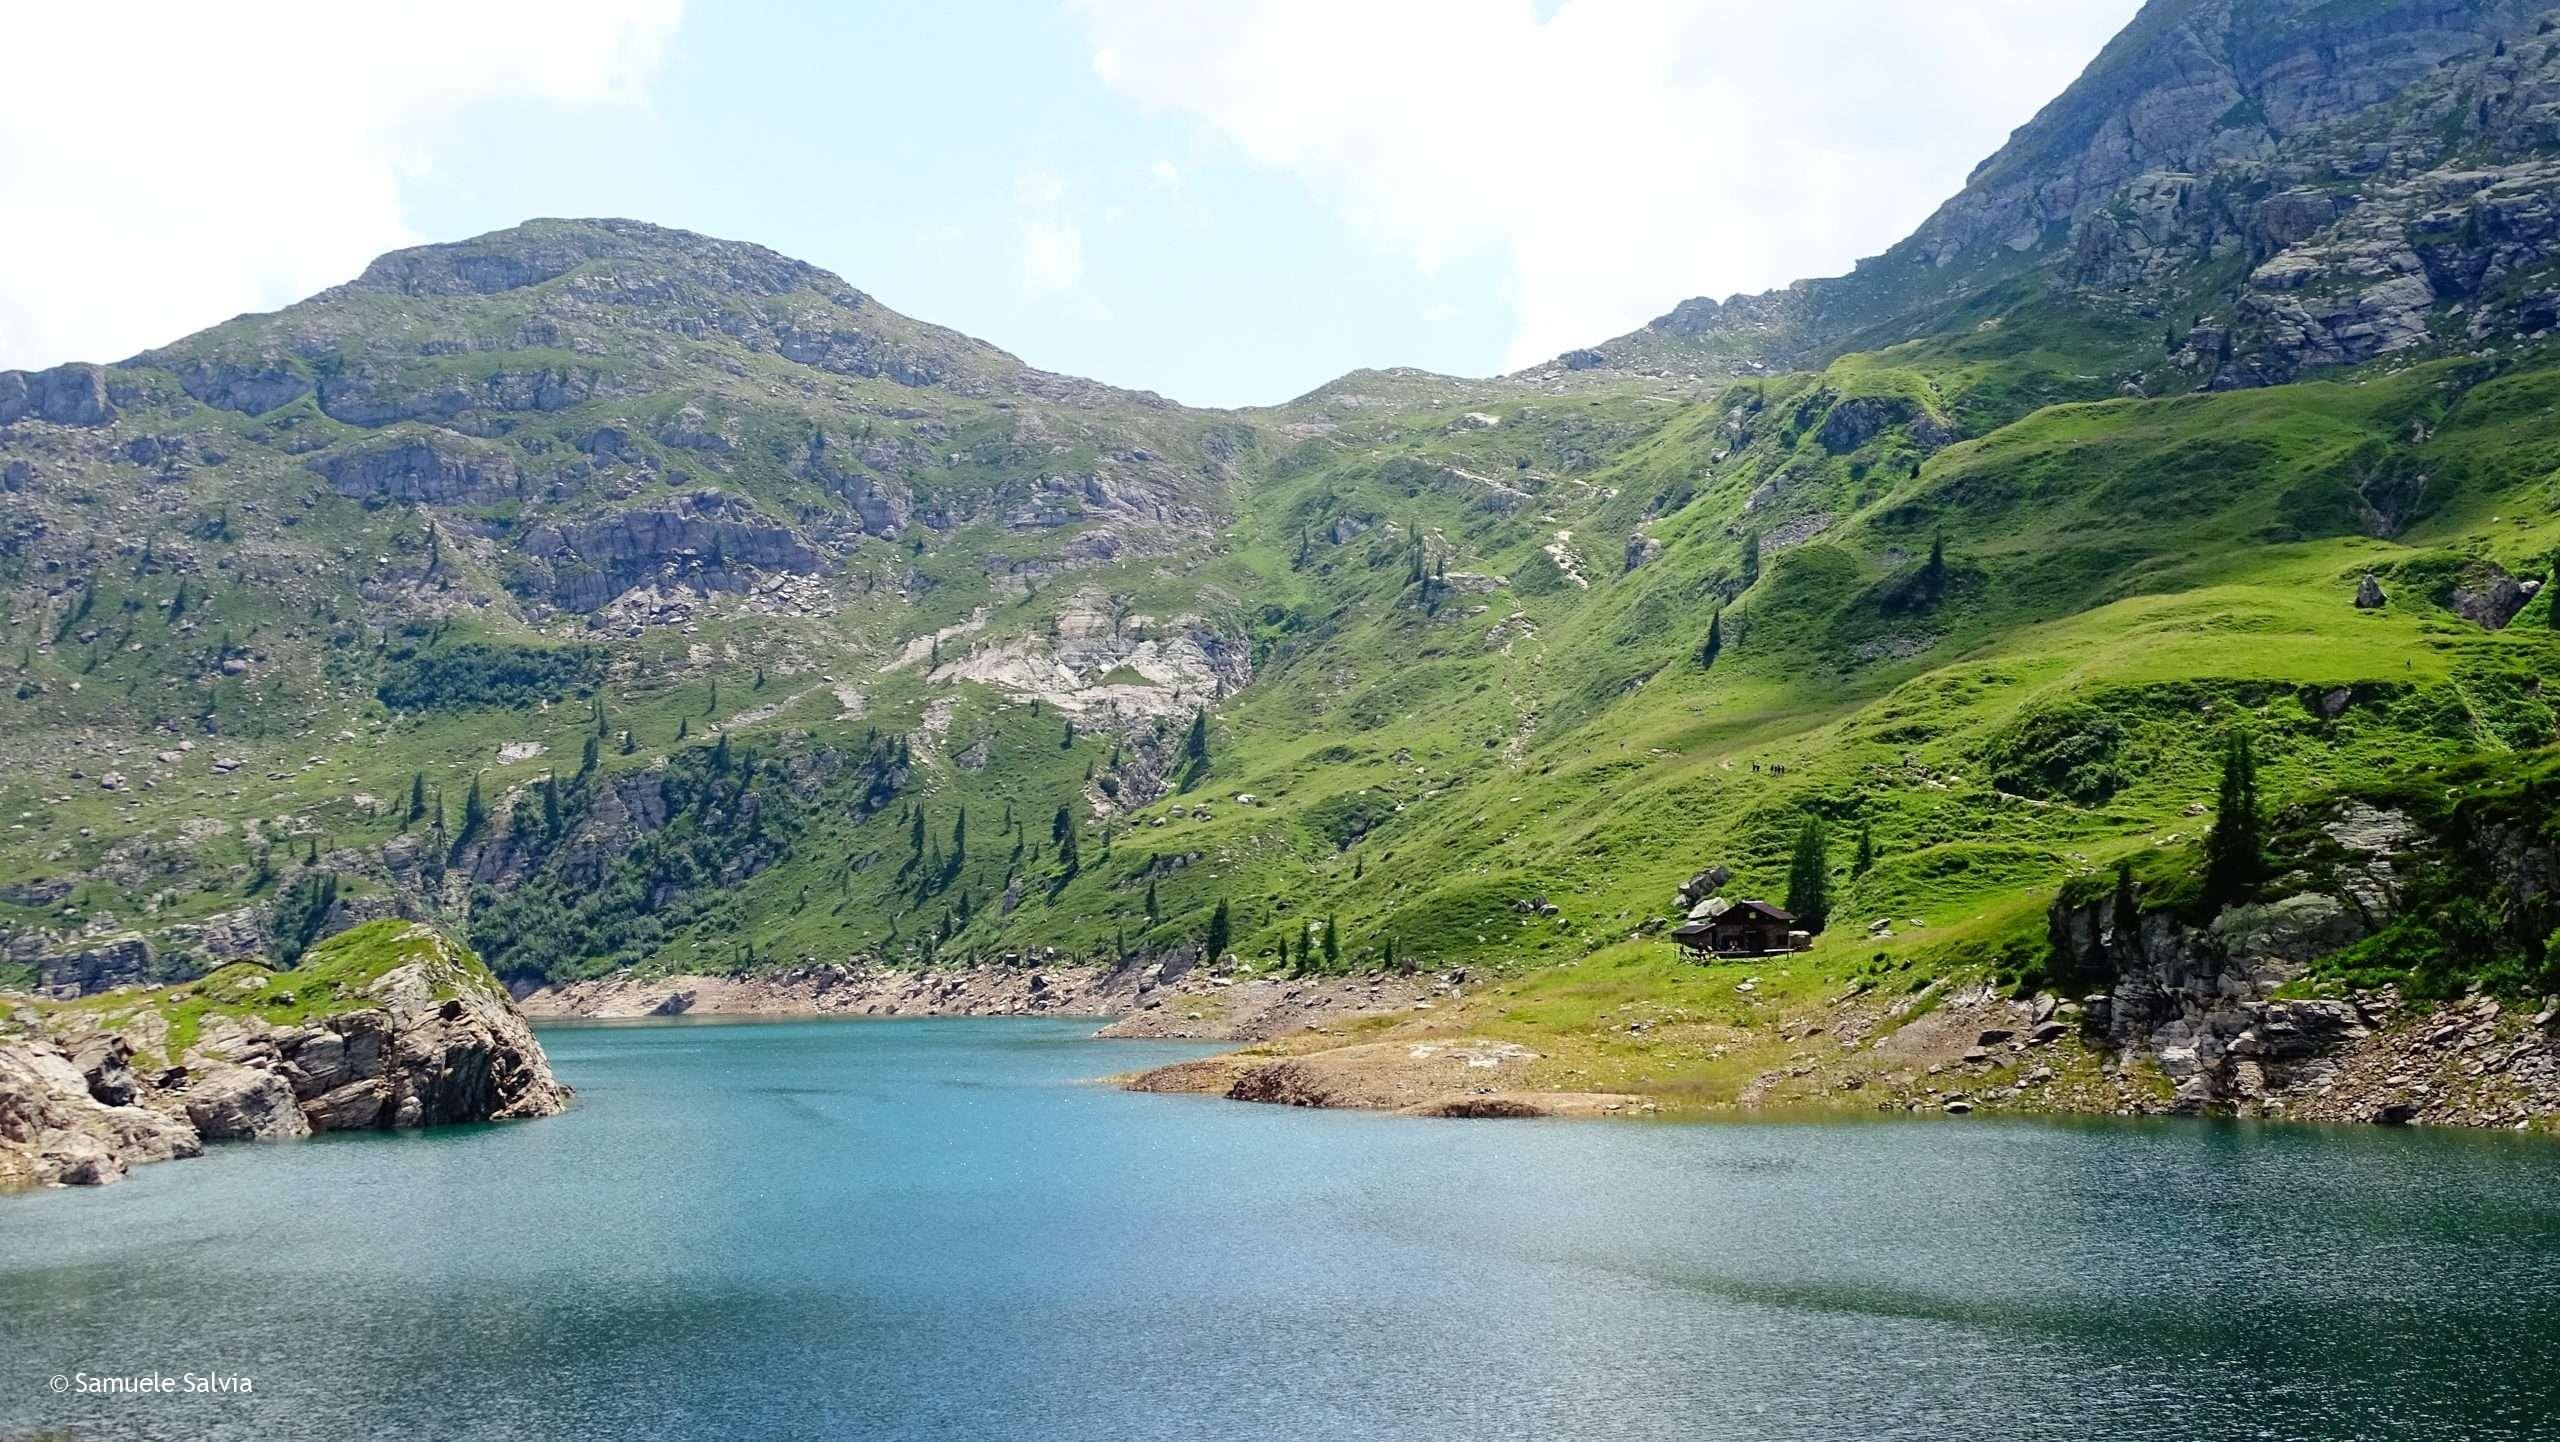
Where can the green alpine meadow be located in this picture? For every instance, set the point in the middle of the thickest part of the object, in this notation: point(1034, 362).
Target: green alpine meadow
point(2105, 635)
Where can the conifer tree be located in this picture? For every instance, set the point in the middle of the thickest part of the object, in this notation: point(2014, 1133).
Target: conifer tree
point(1154, 914)
point(417, 797)
point(2235, 849)
point(1221, 927)
point(1714, 646)
point(1866, 858)
point(1195, 747)
point(1750, 558)
point(1332, 941)
point(550, 806)
point(1809, 877)
point(475, 814)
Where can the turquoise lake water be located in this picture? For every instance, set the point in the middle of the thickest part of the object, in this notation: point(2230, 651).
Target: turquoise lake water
point(938, 1230)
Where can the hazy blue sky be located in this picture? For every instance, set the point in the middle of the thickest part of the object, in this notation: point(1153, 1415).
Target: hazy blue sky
point(1228, 202)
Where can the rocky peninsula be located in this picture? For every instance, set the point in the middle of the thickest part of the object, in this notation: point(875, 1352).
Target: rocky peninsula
point(390, 1024)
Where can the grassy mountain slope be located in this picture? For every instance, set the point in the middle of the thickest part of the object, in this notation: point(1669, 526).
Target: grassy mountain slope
point(730, 594)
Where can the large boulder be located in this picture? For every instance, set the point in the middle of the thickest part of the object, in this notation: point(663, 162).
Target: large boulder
point(67, 395)
point(54, 1132)
point(239, 1103)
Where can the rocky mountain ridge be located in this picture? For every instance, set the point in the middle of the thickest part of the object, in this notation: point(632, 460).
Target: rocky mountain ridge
point(2262, 176)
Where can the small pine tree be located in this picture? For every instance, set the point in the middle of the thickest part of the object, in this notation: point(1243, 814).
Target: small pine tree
point(684, 727)
point(475, 814)
point(417, 798)
point(1865, 860)
point(915, 830)
point(1934, 575)
point(1154, 913)
point(1221, 928)
point(1062, 825)
point(720, 755)
point(1750, 558)
point(550, 806)
point(1809, 877)
point(1195, 747)
point(1332, 941)
point(711, 707)
point(2235, 849)
point(1068, 741)
point(1714, 646)
point(1068, 862)
point(588, 755)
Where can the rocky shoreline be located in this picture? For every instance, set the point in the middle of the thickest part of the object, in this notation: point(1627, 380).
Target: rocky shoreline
point(1169, 998)
point(422, 1036)
point(1411, 1045)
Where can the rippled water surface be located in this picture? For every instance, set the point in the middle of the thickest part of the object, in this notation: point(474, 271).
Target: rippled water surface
point(934, 1229)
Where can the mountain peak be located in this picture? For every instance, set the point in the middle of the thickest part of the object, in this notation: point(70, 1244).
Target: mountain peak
point(2189, 120)
point(545, 249)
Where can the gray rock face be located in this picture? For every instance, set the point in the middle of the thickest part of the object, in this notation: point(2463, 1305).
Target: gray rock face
point(2488, 597)
point(2199, 1001)
point(237, 1103)
point(253, 388)
point(419, 468)
point(67, 395)
point(2369, 595)
point(116, 961)
point(710, 541)
point(1853, 422)
point(2372, 163)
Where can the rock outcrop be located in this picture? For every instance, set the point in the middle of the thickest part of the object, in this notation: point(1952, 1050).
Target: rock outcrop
point(2208, 1004)
point(430, 468)
point(67, 395)
point(426, 1037)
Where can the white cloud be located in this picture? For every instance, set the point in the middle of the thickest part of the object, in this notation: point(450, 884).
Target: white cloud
point(1052, 254)
point(171, 164)
point(1051, 242)
point(1617, 155)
